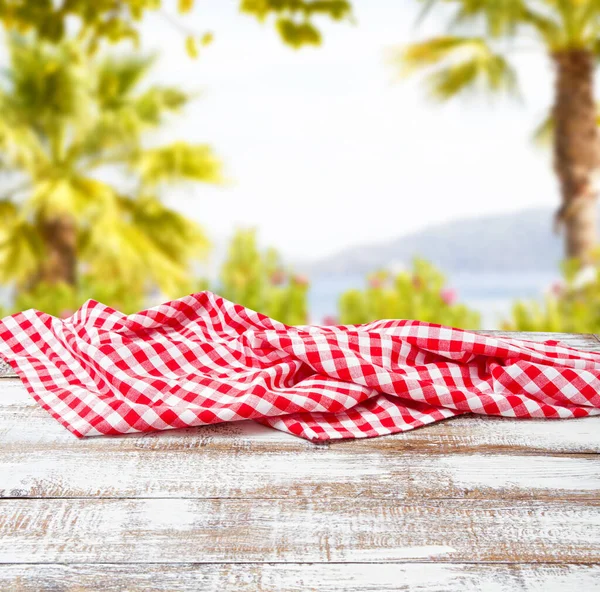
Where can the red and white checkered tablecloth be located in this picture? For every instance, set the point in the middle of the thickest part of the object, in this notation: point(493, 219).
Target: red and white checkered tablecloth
point(201, 360)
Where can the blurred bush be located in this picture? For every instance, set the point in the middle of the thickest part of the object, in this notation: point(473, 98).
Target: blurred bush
point(258, 280)
point(420, 293)
point(251, 277)
point(570, 306)
point(62, 300)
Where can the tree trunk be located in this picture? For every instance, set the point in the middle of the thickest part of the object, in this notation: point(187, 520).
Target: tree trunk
point(576, 150)
point(60, 241)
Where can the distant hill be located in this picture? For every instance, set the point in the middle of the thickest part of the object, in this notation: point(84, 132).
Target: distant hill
point(517, 242)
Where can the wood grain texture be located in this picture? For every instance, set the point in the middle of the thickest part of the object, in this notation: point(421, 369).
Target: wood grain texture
point(578, 340)
point(302, 530)
point(23, 424)
point(473, 503)
point(333, 473)
point(371, 577)
point(474, 457)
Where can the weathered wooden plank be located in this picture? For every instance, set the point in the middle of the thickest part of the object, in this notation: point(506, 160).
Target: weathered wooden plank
point(587, 341)
point(372, 577)
point(39, 458)
point(336, 472)
point(299, 530)
point(23, 424)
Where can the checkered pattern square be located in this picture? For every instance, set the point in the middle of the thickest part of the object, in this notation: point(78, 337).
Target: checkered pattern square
point(200, 360)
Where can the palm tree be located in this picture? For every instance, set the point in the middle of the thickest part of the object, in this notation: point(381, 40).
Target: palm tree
point(83, 188)
point(569, 32)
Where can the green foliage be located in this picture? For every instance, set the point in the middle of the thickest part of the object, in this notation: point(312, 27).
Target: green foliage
point(259, 281)
point(62, 300)
point(69, 123)
point(466, 63)
point(572, 306)
point(416, 294)
point(293, 18)
point(456, 63)
point(118, 20)
point(250, 277)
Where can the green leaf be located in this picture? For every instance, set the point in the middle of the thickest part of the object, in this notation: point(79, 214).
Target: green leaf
point(179, 162)
point(294, 18)
point(185, 6)
point(191, 46)
point(79, 197)
point(458, 64)
point(298, 34)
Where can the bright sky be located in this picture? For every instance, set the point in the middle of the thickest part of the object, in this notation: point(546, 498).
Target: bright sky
point(324, 149)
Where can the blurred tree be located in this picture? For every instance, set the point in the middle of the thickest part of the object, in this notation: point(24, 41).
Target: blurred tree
point(82, 191)
point(569, 32)
point(116, 20)
point(419, 294)
point(259, 281)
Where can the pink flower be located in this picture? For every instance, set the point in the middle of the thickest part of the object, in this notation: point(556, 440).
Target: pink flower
point(330, 320)
point(449, 296)
point(557, 288)
point(277, 277)
point(375, 282)
point(301, 280)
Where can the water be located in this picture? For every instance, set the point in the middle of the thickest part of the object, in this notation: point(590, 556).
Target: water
point(492, 294)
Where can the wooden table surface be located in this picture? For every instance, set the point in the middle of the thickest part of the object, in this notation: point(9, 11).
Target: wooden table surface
point(469, 504)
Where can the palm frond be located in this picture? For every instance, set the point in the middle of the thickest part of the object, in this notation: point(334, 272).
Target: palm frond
point(152, 105)
point(459, 64)
point(576, 23)
point(546, 25)
point(9, 213)
point(21, 148)
point(48, 83)
point(490, 74)
point(560, 24)
point(179, 238)
point(179, 161)
point(119, 77)
point(500, 17)
point(433, 51)
point(544, 132)
point(78, 197)
point(122, 125)
point(53, 140)
point(117, 248)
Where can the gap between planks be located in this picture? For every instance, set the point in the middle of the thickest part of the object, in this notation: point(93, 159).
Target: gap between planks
point(470, 457)
point(295, 577)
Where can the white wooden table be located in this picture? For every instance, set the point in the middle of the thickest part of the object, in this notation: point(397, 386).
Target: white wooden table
point(469, 504)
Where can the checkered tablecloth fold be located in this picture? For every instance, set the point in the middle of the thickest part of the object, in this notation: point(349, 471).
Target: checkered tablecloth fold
point(202, 359)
